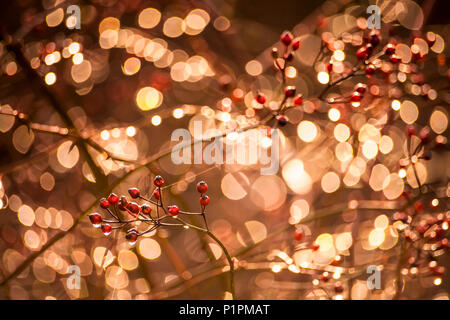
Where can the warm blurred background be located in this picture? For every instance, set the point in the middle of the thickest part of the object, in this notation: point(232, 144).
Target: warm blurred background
point(81, 109)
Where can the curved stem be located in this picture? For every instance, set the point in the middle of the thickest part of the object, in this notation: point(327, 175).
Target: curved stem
point(224, 249)
point(229, 258)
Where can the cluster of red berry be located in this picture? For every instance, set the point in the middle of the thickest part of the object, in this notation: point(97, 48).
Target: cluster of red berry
point(299, 235)
point(423, 149)
point(426, 236)
point(290, 97)
point(115, 206)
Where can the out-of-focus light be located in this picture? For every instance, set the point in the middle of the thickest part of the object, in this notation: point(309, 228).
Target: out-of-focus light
point(178, 113)
point(334, 114)
point(174, 27)
point(444, 225)
point(381, 222)
point(339, 55)
point(307, 131)
point(266, 142)
point(131, 66)
point(291, 72)
point(105, 135)
point(149, 18)
point(253, 68)
point(435, 202)
point(396, 105)
point(402, 173)
point(50, 78)
point(77, 58)
point(55, 18)
point(221, 23)
point(276, 268)
point(131, 131)
point(323, 77)
point(437, 281)
point(148, 98)
point(355, 104)
point(11, 68)
point(115, 133)
point(156, 120)
point(74, 47)
point(341, 132)
point(376, 237)
point(49, 59)
point(370, 149)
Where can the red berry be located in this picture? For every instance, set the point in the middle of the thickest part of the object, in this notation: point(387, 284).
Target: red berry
point(96, 219)
point(329, 66)
point(325, 276)
point(356, 97)
point(361, 54)
point(411, 131)
point(417, 56)
point(298, 100)
point(289, 91)
point(374, 38)
point(159, 181)
point(338, 287)
point(439, 270)
point(146, 209)
point(123, 203)
point(286, 38)
point(418, 206)
point(390, 49)
point(315, 246)
point(424, 135)
point(113, 198)
point(133, 207)
point(394, 59)
point(132, 236)
point(202, 187)
point(204, 200)
point(288, 56)
point(260, 98)
point(369, 49)
point(361, 88)
point(299, 235)
point(104, 203)
point(282, 120)
point(444, 243)
point(370, 70)
point(295, 44)
point(106, 229)
point(173, 210)
point(134, 192)
point(336, 261)
point(156, 194)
